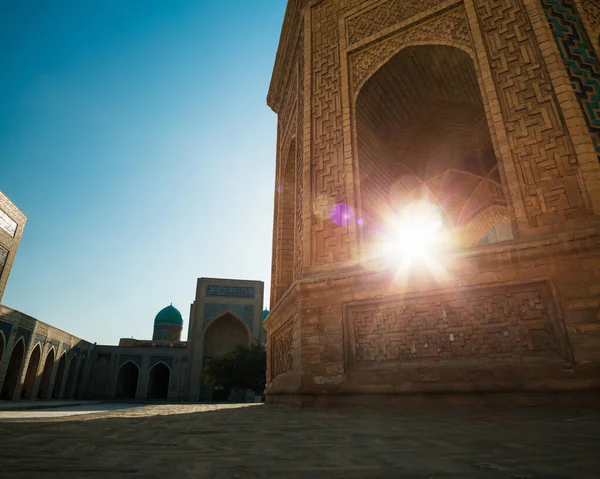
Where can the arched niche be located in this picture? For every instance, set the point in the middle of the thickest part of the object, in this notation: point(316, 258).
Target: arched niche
point(286, 222)
point(127, 380)
point(30, 376)
point(2, 345)
point(44, 389)
point(71, 376)
point(79, 383)
point(100, 376)
point(159, 378)
point(422, 134)
point(13, 371)
point(60, 375)
point(223, 334)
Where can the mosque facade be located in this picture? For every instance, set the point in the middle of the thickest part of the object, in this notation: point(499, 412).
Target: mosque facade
point(40, 362)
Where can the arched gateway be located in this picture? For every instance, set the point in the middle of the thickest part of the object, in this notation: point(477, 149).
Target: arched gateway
point(436, 198)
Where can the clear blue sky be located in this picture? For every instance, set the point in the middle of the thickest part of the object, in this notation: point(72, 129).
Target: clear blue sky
point(136, 138)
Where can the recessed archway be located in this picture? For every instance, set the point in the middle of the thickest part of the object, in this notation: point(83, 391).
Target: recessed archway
point(79, 382)
point(30, 376)
point(100, 376)
point(13, 371)
point(223, 334)
point(60, 374)
point(71, 375)
point(127, 381)
point(286, 221)
point(1, 345)
point(422, 133)
point(158, 381)
point(44, 389)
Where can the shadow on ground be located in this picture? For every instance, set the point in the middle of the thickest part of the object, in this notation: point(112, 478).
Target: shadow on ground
point(264, 441)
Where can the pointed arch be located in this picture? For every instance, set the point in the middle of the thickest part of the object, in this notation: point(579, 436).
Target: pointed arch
point(13, 371)
point(224, 333)
point(127, 380)
point(71, 375)
point(44, 389)
point(2, 344)
point(79, 382)
point(100, 374)
point(60, 375)
point(285, 226)
point(31, 375)
point(423, 134)
point(159, 379)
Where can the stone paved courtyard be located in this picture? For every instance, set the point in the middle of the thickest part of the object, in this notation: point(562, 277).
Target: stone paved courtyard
point(276, 441)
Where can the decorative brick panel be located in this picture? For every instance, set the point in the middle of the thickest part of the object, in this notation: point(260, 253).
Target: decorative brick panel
point(328, 175)
point(383, 15)
point(281, 352)
point(591, 9)
point(450, 28)
point(496, 322)
point(545, 159)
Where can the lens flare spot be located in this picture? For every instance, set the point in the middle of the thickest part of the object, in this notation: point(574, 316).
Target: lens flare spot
point(341, 214)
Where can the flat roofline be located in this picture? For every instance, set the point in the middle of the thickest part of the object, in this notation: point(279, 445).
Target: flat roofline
point(203, 278)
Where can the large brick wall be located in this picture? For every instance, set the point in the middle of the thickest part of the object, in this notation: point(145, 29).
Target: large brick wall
point(346, 328)
point(12, 224)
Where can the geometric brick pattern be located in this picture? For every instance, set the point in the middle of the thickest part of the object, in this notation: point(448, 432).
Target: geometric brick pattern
point(384, 15)
point(592, 10)
point(546, 163)
point(451, 26)
point(281, 356)
point(580, 60)
point(328, 176)
point(487, 323)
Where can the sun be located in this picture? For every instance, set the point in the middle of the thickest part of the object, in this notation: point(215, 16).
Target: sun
point(411, 235)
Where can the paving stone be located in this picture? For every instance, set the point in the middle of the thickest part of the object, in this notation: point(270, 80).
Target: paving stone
point(265, 441)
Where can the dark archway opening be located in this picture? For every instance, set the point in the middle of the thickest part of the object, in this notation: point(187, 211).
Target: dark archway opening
point(13, 371)
point(158, 382)
point(71, 375)
point(127, 381)
point(423, 135)
point(1, 346)
point(221, 337)
point(79, 383)
point(100, 376)
point(60, 374)
point(30, 376)
point(44, 388)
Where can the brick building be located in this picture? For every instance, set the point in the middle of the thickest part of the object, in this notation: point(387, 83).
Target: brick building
point(486, 110)
point(12, 223)
point(38, 361)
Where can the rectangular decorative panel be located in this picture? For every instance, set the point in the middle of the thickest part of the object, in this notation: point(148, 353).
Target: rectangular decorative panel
point(7, 223)
point(545, 159)
point(281, 352)
point(495, 322)
point(230, 291)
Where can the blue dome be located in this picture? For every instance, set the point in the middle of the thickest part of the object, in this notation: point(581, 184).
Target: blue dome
point(169, 315)
point(265, 314)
